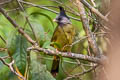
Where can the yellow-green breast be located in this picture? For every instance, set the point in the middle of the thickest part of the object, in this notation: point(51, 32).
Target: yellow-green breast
point(63, 37)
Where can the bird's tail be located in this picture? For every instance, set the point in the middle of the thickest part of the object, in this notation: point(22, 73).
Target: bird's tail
point(55, 65)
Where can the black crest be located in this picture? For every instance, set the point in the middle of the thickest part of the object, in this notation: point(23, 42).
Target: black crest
point(62, 12)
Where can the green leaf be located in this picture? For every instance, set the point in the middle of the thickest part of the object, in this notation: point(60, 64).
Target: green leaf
point(2, 34)
point(11, 42)
point(46, 44)
point(38, 70)
point(2, 43)
point(38, 32)
point(20, 55)
point(4, 72)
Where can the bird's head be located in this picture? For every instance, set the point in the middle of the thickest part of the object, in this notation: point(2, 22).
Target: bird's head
point(62, 18)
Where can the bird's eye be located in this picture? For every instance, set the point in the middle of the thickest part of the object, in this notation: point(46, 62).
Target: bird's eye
point(59, 19)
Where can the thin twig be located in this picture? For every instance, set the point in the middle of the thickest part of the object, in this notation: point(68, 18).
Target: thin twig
point(18, 27)
point(94, 10)
point(62, 67)
point(10, 65)
point(85, 37)
point(92, 1)
point(28, 3)
point(82, 73)
point(26, 17)
point(3, 39)
point(71, 10)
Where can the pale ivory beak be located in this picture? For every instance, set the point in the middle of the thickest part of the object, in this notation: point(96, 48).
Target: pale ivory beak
point(54, 20)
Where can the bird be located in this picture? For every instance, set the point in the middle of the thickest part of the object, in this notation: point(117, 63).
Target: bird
point(62, 38)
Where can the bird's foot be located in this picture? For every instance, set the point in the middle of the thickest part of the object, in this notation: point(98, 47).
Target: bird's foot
point(56, 51)
point(69, 53)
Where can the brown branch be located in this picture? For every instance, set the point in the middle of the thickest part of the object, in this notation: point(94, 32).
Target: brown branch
point(10, 65)
point(93, 3)
point(94, 10)
point(20, 30)
point(91, 36)
point(3, 39)
point(5, 2)
point(3, 49)
point(66, 54)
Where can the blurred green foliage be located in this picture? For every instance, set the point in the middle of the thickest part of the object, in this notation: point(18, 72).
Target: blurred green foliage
point(41, 30)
